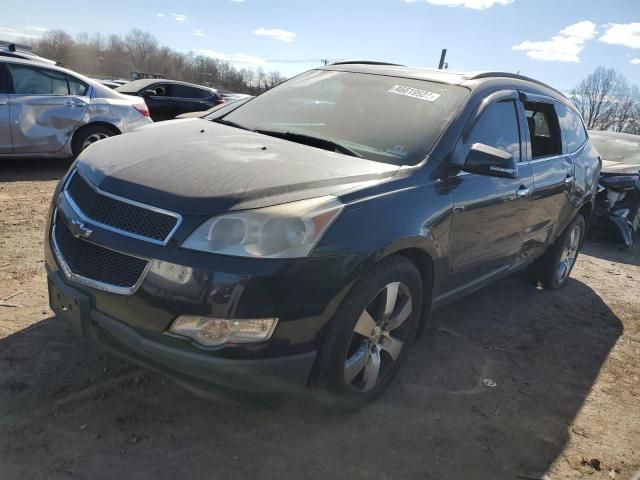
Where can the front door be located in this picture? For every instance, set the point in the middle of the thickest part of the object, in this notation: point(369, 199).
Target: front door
point(43, 113)
point(490, 213)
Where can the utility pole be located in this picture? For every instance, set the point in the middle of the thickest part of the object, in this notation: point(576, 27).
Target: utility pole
point(442, 57)
point(324, 61)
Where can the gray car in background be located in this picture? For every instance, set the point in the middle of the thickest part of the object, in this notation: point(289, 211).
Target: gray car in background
point(49, 111)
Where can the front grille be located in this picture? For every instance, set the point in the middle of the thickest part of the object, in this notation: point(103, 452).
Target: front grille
point(95, 263)
point(119, 214)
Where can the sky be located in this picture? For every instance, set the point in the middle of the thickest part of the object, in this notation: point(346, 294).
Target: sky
point(557, 41)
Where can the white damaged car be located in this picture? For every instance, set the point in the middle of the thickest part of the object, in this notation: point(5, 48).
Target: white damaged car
point(49, 111)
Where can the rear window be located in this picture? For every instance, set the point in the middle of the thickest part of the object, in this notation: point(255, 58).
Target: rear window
point(77, 87)
point(383, 118)
point(572, 127)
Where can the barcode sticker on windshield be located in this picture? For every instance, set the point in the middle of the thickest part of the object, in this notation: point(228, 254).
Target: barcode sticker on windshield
point(415, 93)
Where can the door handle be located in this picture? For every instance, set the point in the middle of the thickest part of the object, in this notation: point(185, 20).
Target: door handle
point(3, 102)
point(523, 192)
point(74, 104)
point(568, 180)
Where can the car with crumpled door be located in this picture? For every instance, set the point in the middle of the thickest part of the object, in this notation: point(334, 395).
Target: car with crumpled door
point(49, 111)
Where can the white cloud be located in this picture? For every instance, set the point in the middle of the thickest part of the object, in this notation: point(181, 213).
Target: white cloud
point(13, 35)
point(160, 15)
point(627, 34)
point(38, 29)
point(179, 17)
point(475, 4)
point(198, 33)
point(563, 47)
point(635, 61)
point(277, 33)
point(206, 52)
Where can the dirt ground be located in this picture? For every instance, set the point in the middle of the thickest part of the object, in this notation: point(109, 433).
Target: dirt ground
point(512, 382)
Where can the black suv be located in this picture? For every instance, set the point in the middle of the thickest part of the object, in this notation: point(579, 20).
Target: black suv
point(304, 238)
point(167, 99)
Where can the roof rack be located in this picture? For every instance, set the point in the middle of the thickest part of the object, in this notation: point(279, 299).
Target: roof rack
point(365, 62)
point(517, 76)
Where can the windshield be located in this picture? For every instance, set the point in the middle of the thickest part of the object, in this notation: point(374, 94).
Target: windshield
point(382, 118)
point(618, 149)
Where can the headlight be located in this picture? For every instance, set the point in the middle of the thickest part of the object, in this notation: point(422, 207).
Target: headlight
point(212, 332)
point(289, 230)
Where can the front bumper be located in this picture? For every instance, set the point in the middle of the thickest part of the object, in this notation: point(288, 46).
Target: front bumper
point(198, 371)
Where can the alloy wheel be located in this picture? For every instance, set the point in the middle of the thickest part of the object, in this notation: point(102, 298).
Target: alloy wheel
point(378, 337)
point(569, 254)
point(93, 138)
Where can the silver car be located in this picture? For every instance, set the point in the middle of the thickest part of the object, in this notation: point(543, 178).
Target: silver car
point(49, 111)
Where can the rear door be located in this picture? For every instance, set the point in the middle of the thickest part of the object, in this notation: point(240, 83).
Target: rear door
point(191, 99)
point(490, 212)
point(553, 173)
point(6, 145)
point(43, 113)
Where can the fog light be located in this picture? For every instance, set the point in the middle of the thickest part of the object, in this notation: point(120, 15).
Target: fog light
point(212, 332)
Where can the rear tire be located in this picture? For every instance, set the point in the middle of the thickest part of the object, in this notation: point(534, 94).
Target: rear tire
point(553, 268)
point(369, 336)
point(89, 135)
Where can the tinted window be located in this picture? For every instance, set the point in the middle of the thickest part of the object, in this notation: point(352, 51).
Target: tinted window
point(38, 81)
point(386, 119)
point(498, 127)
point(184, 91)
point(76, 87)
point(543, 129)
point(573, 129)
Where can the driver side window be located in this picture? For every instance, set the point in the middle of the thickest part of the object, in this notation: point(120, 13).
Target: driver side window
point(498, 128)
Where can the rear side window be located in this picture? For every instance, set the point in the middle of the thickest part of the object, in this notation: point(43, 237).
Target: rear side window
point(77, 87)
point(543, 130)
point(38, 81)
point(498, 128)
point(573, 130)
point(184, 91)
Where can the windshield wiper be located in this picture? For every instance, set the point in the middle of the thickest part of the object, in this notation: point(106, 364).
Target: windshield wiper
point(229, 123)
point(310, 140)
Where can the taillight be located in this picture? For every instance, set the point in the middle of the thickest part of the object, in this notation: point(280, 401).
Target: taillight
point(142, 108)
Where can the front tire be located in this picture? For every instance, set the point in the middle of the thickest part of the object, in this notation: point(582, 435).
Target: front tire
point(369, 336)
point(552, 270)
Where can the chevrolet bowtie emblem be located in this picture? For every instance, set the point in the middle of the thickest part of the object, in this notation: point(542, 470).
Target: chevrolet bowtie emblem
point(79, 229)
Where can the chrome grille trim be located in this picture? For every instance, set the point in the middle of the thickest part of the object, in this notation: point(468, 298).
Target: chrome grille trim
point(89, 220)
point(88, 282)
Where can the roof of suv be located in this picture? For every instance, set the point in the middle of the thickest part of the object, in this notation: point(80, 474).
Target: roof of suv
point(138, 85)
point(439, 76)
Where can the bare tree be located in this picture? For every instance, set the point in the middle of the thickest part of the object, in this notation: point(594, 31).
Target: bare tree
point(57, 45)
point(141, 47)
point(118, 56)
point(606, 101)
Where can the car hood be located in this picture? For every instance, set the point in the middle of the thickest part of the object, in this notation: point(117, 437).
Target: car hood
point(196, 167)
point(619, 168)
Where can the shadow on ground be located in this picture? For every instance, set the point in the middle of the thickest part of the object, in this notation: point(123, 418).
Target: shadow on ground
point(490, 393)
point(32, 169)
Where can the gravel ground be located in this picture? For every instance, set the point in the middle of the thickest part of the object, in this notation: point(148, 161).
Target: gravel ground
point(511, 382)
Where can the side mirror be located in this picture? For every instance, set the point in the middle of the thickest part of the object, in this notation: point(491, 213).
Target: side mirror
point(149, 93)
point(485, 160)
